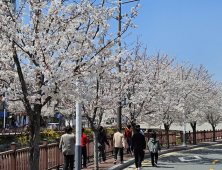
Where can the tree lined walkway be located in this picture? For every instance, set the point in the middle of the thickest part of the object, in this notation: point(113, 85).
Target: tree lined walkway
point(129, 159)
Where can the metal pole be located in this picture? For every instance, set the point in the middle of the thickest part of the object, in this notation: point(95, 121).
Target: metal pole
point(78, 148)
point(119, 109)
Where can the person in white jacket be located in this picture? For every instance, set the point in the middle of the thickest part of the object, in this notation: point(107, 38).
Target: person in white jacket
point(67, 146)
point(119, 145)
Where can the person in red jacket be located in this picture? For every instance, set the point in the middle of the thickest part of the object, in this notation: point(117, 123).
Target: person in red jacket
point(84, 141)
point(128, 136)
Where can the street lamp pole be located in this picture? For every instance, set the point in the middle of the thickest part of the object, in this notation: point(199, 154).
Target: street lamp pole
point(78, 148)
point(119, 109)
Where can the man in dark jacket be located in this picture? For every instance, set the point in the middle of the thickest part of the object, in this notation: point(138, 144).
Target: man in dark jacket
point(138, 146)
point(102, 139)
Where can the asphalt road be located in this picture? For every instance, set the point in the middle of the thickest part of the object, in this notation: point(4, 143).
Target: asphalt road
point(202, 158)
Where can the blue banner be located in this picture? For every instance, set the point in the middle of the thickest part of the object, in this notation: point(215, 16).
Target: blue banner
point(2, 114)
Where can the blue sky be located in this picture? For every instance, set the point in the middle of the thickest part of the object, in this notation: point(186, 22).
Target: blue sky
point(190, 30)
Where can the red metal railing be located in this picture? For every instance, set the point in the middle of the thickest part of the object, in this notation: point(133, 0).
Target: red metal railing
point(52, 158)
point(202, 136)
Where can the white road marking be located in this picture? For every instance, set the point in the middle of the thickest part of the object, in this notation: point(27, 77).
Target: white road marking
point(190, 158)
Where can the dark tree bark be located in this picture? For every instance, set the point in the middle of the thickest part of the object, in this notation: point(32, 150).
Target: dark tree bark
point(34, 117)
point(96, 167)
point(167, 127)
point(214, 136)
point(34, 129)
point(193, 125)
point(133, 123)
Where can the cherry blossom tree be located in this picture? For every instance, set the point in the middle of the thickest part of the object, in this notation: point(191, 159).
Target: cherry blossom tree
point(212, 108)
point(46, 46)
point(139, 82)
point(200, 84)
point(99, 96)
point(167, 102)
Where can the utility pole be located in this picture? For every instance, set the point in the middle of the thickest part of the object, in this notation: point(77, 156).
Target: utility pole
point(119, 109)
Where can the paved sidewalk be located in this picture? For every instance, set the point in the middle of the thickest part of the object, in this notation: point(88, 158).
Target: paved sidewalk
point(109, 162)
point(129, 159)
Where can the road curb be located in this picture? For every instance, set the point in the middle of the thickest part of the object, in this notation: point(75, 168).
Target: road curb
point(132, 160)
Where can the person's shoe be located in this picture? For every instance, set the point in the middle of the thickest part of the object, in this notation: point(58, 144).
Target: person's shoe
point(155, 164)
point(114, 162)
point(84, 167)
point(121, 162)
point(139, 168)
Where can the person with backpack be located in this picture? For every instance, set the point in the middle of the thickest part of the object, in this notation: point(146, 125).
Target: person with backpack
point(154, 147)
point(138, 147)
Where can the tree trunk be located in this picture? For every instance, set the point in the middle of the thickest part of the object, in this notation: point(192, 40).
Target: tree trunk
point(133, 127)
point(34, 129)
point(167, 135)
point(214, 137)
point(193, 125)
point(96, 165)
point(133, 122)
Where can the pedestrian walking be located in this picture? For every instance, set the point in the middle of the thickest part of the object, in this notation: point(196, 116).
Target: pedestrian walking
point(67, 146)
point(119, 145)
point(102, 139)
point(128, 136)
point(154, 147)
point(141, 131)
point(138, 146)
point(84, 141)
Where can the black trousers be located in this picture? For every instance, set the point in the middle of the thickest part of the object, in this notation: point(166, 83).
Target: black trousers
point(68, 162)
point(154, 155)
point(84, 155)
point(121, 153)
point(138, 154)
point(101, 152)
